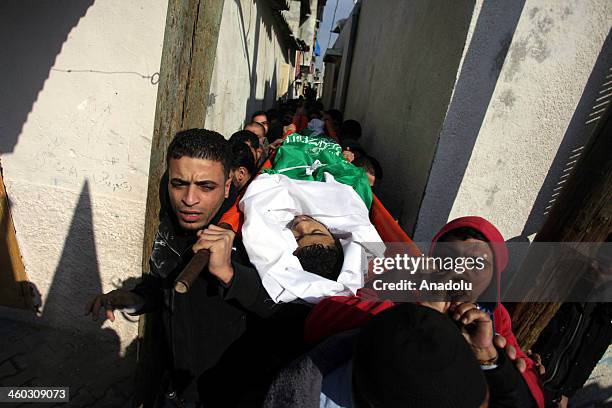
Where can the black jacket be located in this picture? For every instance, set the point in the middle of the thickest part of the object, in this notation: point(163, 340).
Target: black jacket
point(202, 326)
point(299, 384)
point(572, 344)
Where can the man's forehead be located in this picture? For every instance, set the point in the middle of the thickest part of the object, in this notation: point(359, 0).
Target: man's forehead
point(195, 168)
point(255, 127)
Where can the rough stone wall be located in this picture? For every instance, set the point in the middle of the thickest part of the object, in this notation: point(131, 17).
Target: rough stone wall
point(247, 66)
point(77, 119)
point(518, 117)
point(405, 63)
point(343, 43)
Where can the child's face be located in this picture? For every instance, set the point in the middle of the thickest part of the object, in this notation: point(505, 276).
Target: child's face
point(455, 246)
point(308, 231)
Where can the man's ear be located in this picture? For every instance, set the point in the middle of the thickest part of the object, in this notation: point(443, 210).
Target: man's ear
point(240, 174)
point(228, 184)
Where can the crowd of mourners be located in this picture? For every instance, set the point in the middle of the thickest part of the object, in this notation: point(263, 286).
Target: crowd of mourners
point(281, 316)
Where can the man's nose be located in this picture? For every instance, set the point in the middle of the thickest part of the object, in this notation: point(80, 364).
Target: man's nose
point(191, 197)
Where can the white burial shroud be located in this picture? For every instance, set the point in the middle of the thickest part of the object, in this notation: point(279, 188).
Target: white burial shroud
point(272, 201)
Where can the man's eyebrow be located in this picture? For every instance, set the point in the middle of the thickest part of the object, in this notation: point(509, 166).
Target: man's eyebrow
point(314, 233)
point(208, 183)
point(178, 180)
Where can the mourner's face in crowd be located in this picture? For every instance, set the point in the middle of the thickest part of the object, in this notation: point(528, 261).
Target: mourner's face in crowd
point(455, 247)
point(240, 177)
point(260, 132)
point(256, 152)
point(197, 188)
point(308, 231)
point(263, 121)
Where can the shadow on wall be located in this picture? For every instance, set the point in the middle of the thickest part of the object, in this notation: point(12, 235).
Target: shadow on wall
point(32, 34)
point(263, 19)
point(593, 395)
point(85, 357)
point(77, 275)
point(584, 121)
point(480, 71)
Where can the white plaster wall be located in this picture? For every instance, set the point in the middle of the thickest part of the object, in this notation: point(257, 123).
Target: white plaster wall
point(307, 32)
point(405, 62)
point(328, 84)
point(343, 42)
point(76, 173)
point(247, 66)
point(550, 60)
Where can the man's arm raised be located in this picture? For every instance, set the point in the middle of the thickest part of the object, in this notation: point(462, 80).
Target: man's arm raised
point(111, 301)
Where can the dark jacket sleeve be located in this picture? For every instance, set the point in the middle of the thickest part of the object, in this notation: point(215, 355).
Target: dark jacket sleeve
point(506, 387)
point(163, 260)
point(150, 289)
point(246, 288)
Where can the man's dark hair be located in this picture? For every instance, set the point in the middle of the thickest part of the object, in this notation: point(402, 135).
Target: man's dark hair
point(242, 157)
point(200, 144)
point(336, 116)
point(350, 129)
point(256, 124)
point(286, 117)
point(370, 165)
point(258, 113)
point(365, 163)
point(325, 261)
point(272, 114)
point(245, 136)
point(314, 114)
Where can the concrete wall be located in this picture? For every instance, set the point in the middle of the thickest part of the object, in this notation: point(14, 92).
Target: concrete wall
point(77, 107)
point(247, 67)
point(328, 85)
point(307, 32)
point(519, 113)
point(343, 43)
point(336, 73)
point(292, 16)
point(405, 63)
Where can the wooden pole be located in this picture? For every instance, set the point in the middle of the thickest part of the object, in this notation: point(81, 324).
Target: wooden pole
point(583, 213)
point(187, 63)
point(14, 285)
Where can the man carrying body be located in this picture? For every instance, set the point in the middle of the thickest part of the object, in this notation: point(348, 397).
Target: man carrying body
point(201, 325)
point(260, 131)
point(250, 139)
point(262, 118)
point(243, 165)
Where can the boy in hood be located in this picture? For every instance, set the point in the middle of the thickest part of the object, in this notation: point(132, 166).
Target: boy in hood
point(336, 314)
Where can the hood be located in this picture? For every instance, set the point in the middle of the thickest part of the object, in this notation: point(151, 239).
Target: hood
point(493, 236)
point(317, 126)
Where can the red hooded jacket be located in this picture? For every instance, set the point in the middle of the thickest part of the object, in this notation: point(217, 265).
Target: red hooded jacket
point(339, 313)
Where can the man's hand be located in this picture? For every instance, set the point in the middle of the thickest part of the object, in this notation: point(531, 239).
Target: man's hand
point(537, 362)
point(117, 299)
point(348, 155)
point(477, 329)
point(501, 343)
point(289, 129)
point(275, 144)
point(219, 242)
